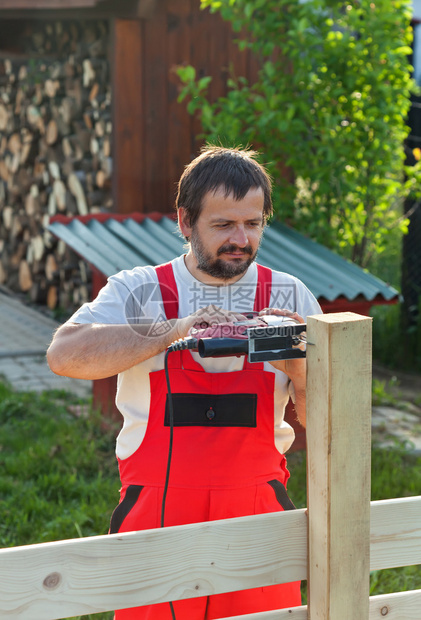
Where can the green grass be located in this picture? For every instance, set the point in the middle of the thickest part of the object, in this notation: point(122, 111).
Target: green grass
point(59, 477)
point(59, 474)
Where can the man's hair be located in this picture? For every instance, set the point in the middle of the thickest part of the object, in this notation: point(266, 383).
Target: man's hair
point(233, 169)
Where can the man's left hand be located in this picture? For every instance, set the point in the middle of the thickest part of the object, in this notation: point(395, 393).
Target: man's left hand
point(295, 369)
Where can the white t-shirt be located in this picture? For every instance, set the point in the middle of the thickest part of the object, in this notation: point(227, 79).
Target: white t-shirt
point(134, 296)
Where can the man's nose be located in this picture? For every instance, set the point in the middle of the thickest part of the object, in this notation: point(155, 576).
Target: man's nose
point(239, 236)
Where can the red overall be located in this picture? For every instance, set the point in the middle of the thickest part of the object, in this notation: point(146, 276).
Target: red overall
point(224, 463)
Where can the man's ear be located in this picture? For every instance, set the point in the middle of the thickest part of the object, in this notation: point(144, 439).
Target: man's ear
point(183, 224)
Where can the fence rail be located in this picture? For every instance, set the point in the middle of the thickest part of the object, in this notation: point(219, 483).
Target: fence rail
point(89, 575)
point(333, 544)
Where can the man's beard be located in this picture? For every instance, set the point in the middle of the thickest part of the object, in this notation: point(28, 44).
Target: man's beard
point(217, 267)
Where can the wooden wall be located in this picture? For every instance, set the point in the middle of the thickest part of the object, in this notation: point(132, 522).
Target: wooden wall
point(163, 136)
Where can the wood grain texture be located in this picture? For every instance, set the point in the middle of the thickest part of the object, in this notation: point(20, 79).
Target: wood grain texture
point(57, 9)
point(398, 606)
point(338, 463)
point(53, 580)
point(129, 154)
point(293, 613)
point(69, 578)
point(46, 4)
point(395, 533)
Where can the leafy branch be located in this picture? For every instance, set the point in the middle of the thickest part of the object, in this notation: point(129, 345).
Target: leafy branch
point(329, 106)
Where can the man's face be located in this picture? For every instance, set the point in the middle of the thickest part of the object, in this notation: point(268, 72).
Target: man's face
point(226, 236)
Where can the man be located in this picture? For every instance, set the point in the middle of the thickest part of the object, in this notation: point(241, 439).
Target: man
point(229, 435)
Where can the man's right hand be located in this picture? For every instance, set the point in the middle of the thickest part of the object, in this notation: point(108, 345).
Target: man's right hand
point(206, 317)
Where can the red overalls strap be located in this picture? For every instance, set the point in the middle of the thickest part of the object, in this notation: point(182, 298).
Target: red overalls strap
point(263, 288)
point(170, 295)
point(168, 288)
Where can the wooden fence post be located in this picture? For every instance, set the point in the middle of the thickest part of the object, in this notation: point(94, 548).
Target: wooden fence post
point(338, 465)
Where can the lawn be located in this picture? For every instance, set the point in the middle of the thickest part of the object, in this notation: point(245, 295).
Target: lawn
point(60, 480)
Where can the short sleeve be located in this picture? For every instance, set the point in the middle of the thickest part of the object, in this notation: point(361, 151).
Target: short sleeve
point(122, 299)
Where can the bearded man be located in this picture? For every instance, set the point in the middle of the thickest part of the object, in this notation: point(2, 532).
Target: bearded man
point(230, 437)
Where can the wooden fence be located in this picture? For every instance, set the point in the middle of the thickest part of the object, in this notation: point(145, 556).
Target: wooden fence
point(334, 544)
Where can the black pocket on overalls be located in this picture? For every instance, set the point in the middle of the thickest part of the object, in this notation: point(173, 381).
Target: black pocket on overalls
point(281, 495)
point(212, 410)
point(124, 507)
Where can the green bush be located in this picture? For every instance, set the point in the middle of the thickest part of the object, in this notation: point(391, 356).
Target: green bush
point(394, 344)
point(327, 110)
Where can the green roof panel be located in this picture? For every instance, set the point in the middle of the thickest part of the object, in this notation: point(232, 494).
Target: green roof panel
point(111, 244)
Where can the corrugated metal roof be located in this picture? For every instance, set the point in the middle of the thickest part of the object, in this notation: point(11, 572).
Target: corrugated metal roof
point(122, 242)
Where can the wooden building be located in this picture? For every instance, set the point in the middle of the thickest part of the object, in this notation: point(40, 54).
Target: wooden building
point(90, 123)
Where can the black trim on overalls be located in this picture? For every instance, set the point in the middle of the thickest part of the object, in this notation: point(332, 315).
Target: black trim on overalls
point(124, 507)
point(281, 494)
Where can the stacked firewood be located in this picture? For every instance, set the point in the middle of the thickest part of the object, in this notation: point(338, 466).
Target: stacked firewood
point(55, 154)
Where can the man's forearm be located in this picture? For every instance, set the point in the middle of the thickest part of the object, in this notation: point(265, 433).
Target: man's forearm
point(97, 351)
point(93, 351)
point(295, 369)
point(300, 406)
